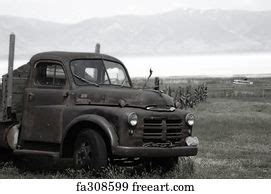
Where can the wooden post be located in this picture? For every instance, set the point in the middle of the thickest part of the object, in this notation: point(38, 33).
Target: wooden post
point(156, 83)
point(98, 48)
point(10, 69)
point(169, 90)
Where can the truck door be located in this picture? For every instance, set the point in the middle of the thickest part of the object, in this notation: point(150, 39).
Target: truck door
point(45, 101)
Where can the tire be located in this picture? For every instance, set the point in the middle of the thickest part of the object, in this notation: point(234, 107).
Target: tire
point(6, 155)
point(165, 164)
point(90, 150)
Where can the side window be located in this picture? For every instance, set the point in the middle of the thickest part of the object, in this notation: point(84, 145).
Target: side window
point(50, 74)
point(60, 78)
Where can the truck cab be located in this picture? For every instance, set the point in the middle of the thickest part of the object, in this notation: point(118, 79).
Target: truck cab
point(84, 106)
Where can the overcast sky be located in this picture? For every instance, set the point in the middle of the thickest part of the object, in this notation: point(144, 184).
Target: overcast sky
point(70, 11)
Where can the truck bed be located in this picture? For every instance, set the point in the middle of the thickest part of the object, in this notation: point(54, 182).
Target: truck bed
point(20, 78)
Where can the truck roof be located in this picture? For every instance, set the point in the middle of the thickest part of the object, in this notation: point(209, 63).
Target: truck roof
point(68, 56)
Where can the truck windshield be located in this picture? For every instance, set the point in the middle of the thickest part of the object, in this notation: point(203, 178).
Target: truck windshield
point(99, 72)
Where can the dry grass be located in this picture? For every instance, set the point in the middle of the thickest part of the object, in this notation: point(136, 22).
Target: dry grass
point(234, 143)
point(235, 139)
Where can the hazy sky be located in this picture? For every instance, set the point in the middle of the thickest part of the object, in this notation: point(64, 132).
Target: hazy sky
point(77, 10)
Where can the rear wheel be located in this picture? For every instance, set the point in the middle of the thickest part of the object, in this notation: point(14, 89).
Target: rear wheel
point(90, 150)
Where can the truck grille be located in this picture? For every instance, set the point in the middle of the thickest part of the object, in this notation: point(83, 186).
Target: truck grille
point(159, 130)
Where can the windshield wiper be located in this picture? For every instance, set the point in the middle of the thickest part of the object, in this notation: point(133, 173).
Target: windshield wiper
point(86, 81)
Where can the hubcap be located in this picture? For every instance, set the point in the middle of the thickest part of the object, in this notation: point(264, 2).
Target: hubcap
point(84, 155)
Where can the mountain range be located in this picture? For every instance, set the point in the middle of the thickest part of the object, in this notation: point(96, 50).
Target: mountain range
point(182, 31)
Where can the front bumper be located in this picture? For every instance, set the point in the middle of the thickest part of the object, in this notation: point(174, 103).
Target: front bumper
point(154, 151)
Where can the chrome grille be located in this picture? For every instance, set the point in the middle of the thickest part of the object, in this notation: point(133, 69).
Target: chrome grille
point(162, 130)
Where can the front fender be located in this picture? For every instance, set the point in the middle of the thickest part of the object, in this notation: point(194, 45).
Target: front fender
point(107, 127)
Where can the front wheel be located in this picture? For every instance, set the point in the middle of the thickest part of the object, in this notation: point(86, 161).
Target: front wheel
point(90, 150)
point(6, 155)
point(166, 164)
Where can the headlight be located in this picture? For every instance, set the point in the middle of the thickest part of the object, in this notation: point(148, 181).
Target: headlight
point(132, 119)
point(190, 119)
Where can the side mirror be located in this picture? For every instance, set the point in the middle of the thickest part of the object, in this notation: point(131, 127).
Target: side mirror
point(148, 78)
point(150, 73)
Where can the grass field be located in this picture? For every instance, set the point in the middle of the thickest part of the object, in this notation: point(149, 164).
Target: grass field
point(235, 142)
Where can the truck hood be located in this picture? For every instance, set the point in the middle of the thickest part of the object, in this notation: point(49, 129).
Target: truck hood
point(129, 97)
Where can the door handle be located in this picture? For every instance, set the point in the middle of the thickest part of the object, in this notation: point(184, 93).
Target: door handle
point(30, 97)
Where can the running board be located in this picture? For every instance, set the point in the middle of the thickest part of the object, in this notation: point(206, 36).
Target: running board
point(37, 152)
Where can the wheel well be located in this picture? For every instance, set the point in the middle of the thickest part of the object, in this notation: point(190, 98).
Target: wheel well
point(70, 138)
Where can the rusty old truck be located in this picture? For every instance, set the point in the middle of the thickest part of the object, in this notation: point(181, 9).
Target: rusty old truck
point(83, 106)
